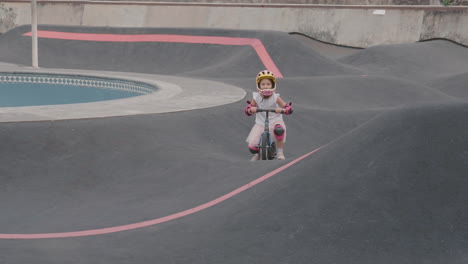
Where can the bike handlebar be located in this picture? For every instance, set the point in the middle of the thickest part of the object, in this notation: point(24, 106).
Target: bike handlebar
point(268, 110)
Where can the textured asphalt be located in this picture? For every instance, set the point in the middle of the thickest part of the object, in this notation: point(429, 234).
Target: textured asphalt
point(389, 184)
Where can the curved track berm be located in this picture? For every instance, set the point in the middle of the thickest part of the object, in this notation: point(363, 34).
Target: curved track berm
point(388, 185)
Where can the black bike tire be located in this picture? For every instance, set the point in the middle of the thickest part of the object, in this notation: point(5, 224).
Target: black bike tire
point(272, 151)
point(264, 147)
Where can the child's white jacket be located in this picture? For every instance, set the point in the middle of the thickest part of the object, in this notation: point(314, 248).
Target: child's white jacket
point(269, 103)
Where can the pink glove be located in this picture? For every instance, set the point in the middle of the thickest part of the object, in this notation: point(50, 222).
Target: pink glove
point(246, 110)
point(288, 108)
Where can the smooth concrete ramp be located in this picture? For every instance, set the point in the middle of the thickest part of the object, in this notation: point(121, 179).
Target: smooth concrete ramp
point(388, 184)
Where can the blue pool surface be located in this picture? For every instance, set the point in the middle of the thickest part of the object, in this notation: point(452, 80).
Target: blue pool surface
point(50, 89)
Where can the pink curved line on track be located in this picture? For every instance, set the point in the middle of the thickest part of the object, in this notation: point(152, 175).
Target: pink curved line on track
point(253, 42)
point(158, 220)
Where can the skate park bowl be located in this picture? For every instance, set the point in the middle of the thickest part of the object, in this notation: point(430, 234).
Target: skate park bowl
point(21, 89)
point(375, 168)
point(58, 94)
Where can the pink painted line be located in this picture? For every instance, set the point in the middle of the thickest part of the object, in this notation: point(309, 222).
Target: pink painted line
point(253, 42)
point(158, 220)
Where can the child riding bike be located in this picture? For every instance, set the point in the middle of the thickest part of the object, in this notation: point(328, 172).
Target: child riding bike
point(267, 98)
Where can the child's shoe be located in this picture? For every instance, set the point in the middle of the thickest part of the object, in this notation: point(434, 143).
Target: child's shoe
point(280, 156)
point(255, 157)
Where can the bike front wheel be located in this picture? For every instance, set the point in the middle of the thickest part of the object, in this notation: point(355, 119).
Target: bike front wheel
point(264, 146)
point(272, 151)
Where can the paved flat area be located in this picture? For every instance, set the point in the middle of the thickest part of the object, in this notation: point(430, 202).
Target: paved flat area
point(386, 185)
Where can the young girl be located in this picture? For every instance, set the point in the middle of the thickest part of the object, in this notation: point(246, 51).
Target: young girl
point(266, 98)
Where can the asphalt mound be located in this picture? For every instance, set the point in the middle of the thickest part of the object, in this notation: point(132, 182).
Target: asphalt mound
point(391, 190)
point(359, 92)
point(387, 186)
point(78, 173)
point(421, 61)
point(197, 60)
point(327, 49)
point(454, 85)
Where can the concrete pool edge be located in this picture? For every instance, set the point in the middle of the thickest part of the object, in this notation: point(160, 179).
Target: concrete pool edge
point(174, 94)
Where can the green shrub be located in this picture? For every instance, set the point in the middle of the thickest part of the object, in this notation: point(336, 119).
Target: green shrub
point(450, 2)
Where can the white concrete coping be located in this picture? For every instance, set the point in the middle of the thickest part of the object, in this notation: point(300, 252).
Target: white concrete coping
point(173, 94)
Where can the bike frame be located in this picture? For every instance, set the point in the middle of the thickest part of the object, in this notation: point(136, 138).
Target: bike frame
point(267, 129)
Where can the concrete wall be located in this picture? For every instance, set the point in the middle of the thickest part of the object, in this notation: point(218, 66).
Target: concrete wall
point(451, 25)
point(357, 26)
point(314, 2)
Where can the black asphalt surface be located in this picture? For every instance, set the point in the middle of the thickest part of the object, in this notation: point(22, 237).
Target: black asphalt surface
point(389, 184)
